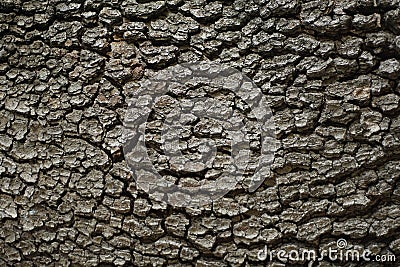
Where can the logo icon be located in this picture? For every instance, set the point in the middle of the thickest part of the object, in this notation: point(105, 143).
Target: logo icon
point(196, 131)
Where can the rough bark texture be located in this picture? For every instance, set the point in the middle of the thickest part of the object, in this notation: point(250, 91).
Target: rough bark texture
point(330, 70)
